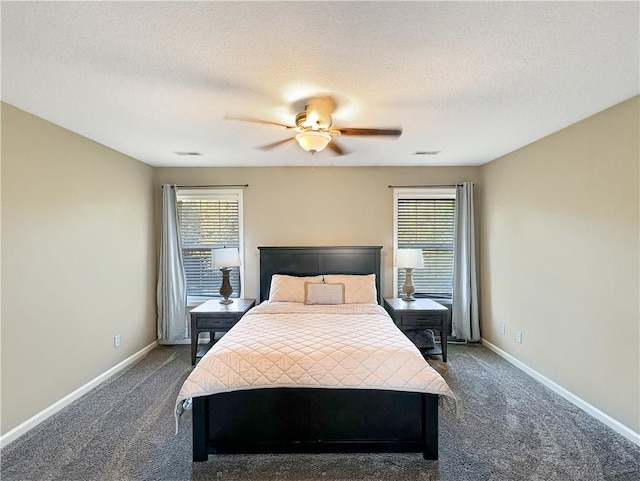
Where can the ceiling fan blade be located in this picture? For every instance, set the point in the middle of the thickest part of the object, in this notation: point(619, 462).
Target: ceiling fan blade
point(356, 131)
point(258, 121)
point(336, 148)
point(275, 144)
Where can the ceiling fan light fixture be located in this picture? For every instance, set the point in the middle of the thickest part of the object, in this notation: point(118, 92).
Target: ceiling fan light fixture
point(313, 141)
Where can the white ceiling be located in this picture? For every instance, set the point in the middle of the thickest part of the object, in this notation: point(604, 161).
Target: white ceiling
point(472, 80)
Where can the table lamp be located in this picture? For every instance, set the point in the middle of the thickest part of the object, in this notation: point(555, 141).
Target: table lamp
point(224, 259)
point(409, 259)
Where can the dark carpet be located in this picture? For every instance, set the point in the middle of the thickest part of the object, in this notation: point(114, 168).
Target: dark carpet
point(508, 427)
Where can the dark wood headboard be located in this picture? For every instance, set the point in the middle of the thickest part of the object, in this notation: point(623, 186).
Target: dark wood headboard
point(312, 261)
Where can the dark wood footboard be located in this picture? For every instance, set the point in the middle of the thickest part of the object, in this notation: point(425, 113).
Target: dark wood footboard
point(300, 420)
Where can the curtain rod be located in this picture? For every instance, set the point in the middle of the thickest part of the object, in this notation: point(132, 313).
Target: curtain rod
point(219, 186)
point(421, 186)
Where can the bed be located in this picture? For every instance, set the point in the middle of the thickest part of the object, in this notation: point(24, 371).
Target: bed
point(321, 376)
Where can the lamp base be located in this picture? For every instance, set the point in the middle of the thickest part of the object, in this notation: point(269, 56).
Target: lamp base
point(408, 288)
point(225, 289)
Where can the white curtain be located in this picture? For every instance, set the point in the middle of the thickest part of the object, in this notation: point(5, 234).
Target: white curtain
point(172, 290)
point(465, 320)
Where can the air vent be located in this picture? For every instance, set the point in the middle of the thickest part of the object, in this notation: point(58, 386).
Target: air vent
point(426, 152)
point(188, 154)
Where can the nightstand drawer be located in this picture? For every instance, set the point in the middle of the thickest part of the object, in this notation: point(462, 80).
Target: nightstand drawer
point(217, 322)
point(411, 320)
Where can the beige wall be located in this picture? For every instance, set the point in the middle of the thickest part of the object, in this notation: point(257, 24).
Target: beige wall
point(560, 258)
point(78, 262)
point(316, 206)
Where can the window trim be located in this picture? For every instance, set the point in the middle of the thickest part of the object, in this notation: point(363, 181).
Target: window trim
point(413, 193)
point(196, 194)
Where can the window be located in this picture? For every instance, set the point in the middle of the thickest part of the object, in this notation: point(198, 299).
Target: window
point(424, 219)
point(209, 219)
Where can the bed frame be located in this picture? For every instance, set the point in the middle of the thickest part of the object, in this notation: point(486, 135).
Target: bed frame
point(295, 420)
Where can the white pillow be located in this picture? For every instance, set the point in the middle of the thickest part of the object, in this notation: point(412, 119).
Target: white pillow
point(289, 288)
point(357, 289)
point(320, 293)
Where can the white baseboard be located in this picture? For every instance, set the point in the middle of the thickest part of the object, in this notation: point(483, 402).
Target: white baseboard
point(172, 343)
point(617, 426)
point(21, 429)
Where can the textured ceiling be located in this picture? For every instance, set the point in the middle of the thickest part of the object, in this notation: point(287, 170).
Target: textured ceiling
point(473, 80)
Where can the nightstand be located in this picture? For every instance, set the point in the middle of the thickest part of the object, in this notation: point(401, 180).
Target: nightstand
point(419, 314)
point(214, 317)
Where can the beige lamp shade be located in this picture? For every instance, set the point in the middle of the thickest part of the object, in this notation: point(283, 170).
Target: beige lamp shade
point(411, 258)
point(225, 257)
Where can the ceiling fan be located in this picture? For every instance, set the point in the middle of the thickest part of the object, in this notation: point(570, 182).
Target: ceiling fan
point(315, 130)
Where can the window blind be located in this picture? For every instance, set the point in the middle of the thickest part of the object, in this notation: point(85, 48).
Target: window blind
point(428, 224)
point(205, 224)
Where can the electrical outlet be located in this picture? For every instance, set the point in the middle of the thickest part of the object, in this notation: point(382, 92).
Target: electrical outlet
point(502, 328)
point(519, 337)
point(116, 340)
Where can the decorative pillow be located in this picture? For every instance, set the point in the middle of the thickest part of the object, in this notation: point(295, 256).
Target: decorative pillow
point(316, 293)
point(289, 288)
point(357, 289)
